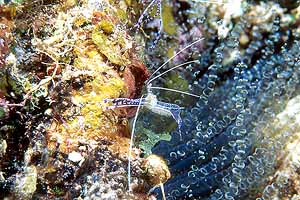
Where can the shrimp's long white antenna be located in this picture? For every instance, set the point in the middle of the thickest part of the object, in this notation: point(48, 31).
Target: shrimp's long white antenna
point(209, 1)
point(186, 63)
point(162, 191)
point(173, 90)
point(176, 54)
point(122, 106)
point(131, 144)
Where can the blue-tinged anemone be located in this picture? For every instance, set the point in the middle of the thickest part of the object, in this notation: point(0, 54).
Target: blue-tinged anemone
point(232, 137)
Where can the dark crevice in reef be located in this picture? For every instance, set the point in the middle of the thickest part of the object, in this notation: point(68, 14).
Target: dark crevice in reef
point(17, 142)
point(180, 12)
point(18, 129)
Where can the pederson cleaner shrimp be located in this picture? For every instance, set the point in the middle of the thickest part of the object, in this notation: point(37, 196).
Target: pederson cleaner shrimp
point(150, 101)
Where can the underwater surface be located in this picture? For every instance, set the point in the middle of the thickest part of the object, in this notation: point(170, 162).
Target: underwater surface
point(150, 99)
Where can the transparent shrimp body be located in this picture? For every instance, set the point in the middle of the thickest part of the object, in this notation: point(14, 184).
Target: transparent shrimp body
point(151, 103)
point(164, 109)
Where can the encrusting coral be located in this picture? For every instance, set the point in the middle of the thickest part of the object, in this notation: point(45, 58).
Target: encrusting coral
point(62, 69)
point(98, 51)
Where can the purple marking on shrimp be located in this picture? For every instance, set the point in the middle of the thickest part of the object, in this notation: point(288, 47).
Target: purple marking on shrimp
point(172, 109)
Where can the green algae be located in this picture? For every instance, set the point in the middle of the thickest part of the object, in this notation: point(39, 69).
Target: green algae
point(58, 191)
point(151, 139)
point(175, 81)
point(122, 15)
point(169, 24)
point(108, 47)
point(10, 83)
point(106, 26)
point(2, 113)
